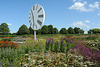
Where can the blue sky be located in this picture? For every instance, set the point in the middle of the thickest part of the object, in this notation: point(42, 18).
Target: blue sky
point(59, 13)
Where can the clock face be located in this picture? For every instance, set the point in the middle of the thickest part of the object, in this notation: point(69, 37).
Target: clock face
point(36, 17)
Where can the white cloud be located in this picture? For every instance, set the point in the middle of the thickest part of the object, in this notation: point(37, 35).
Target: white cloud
point(76, 0)
point(80, 24)
point(80, 6)
point(9, 24)
point(98, 14)
point(96, 5)
point(87, 21)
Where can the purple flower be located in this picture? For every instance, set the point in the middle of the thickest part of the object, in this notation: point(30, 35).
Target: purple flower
point(57, 43)
point(87, 52)
point(52, 41)
point(0, 64)
point(62, 42)
point(48, 42)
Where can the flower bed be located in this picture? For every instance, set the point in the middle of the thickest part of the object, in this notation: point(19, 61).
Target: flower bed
point(7, 44)
point(7, 37)
point(57, 46)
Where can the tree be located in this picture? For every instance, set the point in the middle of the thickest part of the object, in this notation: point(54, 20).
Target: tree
point(23, 30)
point(90, 31)
point(4, 29)
point(63, 31)
point(44, 30)
point(55, 30)
point(38, 31)
point(77, 30)
point(94, 31)
point(71, 30)
point(31, 30)
point(81, 31)
point(50, 29)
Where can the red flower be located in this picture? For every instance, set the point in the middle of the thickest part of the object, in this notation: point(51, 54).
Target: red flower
point(7, 44)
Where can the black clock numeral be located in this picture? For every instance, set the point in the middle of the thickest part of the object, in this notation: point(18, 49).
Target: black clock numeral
point(39, 10)
point(39, 22)
point(36, 26)
point(40, 16)
point(32, 17)
point(36, 7)
point(29, 20)
point(30, 24)
point(33, 7)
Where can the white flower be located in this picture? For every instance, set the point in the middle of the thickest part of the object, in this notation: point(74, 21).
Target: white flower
point(80, 57)
point(26, 65)
point(76, 56)
point(65, 65)
point(93, 44)
point(29, 58)
point(39, 61)
point(85, 65)
point(26, 54)
point(33, 61)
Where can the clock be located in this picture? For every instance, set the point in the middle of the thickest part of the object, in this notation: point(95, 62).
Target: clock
point(36, 17)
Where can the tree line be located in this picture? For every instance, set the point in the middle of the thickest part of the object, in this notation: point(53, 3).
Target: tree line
point(4, 29)
point(49, 30)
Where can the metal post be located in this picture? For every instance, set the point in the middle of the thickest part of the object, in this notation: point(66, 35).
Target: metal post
point(35, 35)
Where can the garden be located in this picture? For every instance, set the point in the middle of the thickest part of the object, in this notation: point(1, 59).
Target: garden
point(50, 51)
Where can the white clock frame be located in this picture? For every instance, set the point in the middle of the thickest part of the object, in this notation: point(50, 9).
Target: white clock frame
point(36, 18)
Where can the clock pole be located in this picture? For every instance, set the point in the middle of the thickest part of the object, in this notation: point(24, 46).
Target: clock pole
point(35, 35)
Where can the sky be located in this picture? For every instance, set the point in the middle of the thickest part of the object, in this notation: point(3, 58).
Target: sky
point(59, 13)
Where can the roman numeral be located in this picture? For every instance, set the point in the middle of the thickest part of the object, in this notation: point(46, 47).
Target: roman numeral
point(39, 22)
point(40, 16)
point(36, 7)
point(39, 10)
point(30, 24)
point(36, 26)
point(33, 7)
point(30, 21)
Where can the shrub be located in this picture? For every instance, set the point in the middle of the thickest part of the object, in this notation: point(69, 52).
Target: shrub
point(6, 39)
point(11, 57)
point(7, 44)
point(92, 37)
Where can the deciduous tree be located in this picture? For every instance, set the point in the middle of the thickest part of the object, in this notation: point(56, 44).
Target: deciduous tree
point(23, 30)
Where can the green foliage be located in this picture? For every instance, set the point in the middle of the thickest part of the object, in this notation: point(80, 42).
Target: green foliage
point(13, 33)
point(23, 30)
point(77, 30)
point(63, 31)
point(55, 30)
point(44, 30)
point(31, 46)
point(38, 31)
point(10, 57)
point(50, 29)
point(91, 37)
point(71, 30)
point(81, 31)
point(31, 30)
point(6, 39)
point(94, 31)
point(56, 46)
point(4, 28)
